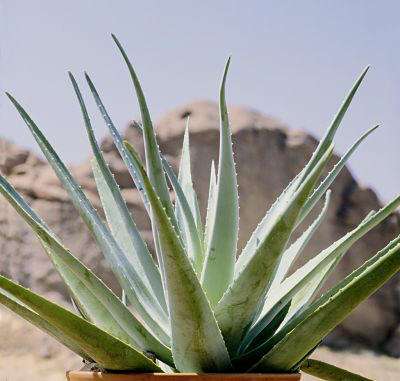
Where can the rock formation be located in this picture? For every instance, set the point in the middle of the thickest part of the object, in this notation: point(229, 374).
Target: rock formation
point(268, 156)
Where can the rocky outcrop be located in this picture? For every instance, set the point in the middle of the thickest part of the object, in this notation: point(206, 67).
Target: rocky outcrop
point(268, 156)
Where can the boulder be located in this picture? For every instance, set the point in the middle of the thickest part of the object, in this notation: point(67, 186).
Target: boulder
point(268, 156)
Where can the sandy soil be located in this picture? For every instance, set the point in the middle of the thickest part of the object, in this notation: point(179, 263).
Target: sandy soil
point(26, 352)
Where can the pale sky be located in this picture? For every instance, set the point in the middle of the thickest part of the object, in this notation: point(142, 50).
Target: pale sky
point(294, 60)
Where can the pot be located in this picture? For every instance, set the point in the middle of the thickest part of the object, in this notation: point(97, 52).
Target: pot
point(92, 376)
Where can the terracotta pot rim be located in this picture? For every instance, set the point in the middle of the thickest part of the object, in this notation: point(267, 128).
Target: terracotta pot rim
point(87, 375)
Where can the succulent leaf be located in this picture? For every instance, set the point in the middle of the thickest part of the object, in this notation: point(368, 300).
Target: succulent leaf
point(118, 141)
point(304, 282)
point(304, 295)
point(326, 183)
point(331, 309)
point(239, 305)
point(120, 220)
point(186, 182)
point(153, 157)
point(96, 301)
point(330, 133)
point(188, 226)
point(13, 304)
point(108, 351)
point(220, 258)
point(104, 238)
point(210, 206)
point(277, 287)
point(197, 343)
point(263, 227)
point(329, 372)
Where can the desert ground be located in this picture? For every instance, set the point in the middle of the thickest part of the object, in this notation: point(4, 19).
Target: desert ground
point(26, 352)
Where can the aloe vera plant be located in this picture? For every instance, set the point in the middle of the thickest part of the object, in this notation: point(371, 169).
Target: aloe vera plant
point(197, 308)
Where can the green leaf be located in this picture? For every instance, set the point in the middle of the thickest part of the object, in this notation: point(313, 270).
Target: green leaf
point(292, 253)
point(120, 221)
point(263, 227)
point(309, 288)
point(108, 245)
point(331, 309)
point(210, 206)
point(197, 343)
point(105, 349)
point(239, 305)
point(304, 282)
point(118, 141)
point(186, 183)
point(153, 157)
point(330, 133)
point(221, 252)
point(193, 243)
point(32, 317)
point(329, 372)
point(326, 183)
point(277, 287)
point(94, 299)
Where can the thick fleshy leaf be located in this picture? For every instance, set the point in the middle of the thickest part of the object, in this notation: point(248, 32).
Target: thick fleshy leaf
point(326, 183)
point(328, 372)
point(118, 141)
point(185, 180)
point(309, 289)
point(119, 218)
point(292, 187)
point(263, 227)
point(240, 304)
point(106, 350)
point(153, 158)
point(288, 258)
point(126, 275)
point(292, 253)
point(330, 133)
point(93, 298)
point(193, 244)
point(308, 278)
point(220, 258)
point(310, 327)
point(13, 304)
point(197, 343)
point(210, 206)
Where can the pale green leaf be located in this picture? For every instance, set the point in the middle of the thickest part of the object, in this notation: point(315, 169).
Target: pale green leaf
point(221, 252)
point(326, 183)
point(106, 350)
point(330, 133)
point(329, 372)
point(286, 261)
point(193, 244)
point(263, 227)
point(109, 247)
point(94, 299)
point(118, 141)
point(239, 305)
point(210, 206)
point(305, 293)
point(310, 327)
point(153, 157)
point(13, 304)
point(185, 180)
point(305, 281)
point(197, 343)
point(119, 218)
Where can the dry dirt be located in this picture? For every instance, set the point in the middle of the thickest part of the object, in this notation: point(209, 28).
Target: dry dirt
point(25, 353)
